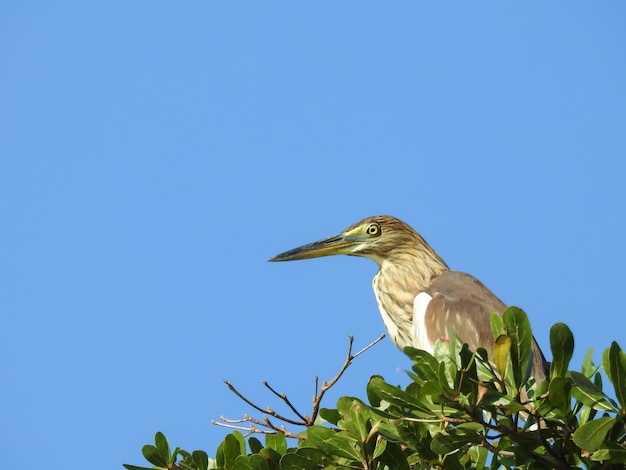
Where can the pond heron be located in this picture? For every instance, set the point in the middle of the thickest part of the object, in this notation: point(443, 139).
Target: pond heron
point(419, 297)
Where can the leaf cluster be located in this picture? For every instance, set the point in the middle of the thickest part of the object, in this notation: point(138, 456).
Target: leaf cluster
point(461, 410)
point(161, 456)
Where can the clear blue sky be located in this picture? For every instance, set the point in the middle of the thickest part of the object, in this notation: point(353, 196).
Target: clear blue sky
point(154, 155)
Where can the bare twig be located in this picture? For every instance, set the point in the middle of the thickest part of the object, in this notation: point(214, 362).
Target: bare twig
point(236, 392)
point(284, 398)
point(265, 425)
point(268, 410)
point(326, 386)
point(251, 429)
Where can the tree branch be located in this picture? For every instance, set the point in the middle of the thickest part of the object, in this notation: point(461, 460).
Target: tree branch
point(303, 419)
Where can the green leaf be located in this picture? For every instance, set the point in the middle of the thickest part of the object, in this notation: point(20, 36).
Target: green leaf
point(470, 427)
point(589, 394)
point(562, 346)
point(219, 456)
point(467, 379)
point(590, 436)
point(301, 461)
point(201, 459)
point(394, 458)
point(271, 456)
point(424, 363)
point(232, 450)
point(258, 462)
point(446, 443)
point(381, 446)
point(311, 454)
point(378, 388)
point(482, 354)
point(597, 380)
point(512, 408)
point(372, 396)
point(588, 367)
point(276, 442)
point(586, 414)
point(152, 455)
point(560, 394)
point(431, 388)
point(333, 443)
point(447, 372)
point(478, 456)
point(354, 417)
point(243, 463)
point(415, 436)
point(255, 445)
point(610, 452)
point(497, 325)
point(178, 452)
point(445, 348)
point(330, 415)
point(391, 432)
point(614, 363)
point(451, 462)
point(484, 365)
point(162, 446)
point(518, 329)
point(135, 467)
point(242, 441)
point(501, 350)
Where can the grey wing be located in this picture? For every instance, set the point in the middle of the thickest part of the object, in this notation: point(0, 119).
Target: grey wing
point(463, 303)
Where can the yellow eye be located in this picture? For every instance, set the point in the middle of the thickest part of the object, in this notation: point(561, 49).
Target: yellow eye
point(373, 230)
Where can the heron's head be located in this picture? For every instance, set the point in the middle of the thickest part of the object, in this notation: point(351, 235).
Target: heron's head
point(376, 238)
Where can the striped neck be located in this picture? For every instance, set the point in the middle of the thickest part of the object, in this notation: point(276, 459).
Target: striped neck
point(403, 275)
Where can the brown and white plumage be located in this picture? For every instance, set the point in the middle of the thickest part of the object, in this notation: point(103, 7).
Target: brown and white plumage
point(419, 297)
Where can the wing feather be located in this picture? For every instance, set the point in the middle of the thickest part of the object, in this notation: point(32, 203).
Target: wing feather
point(463, 303)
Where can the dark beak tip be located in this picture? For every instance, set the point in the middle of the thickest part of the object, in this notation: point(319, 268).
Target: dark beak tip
point(277, 258)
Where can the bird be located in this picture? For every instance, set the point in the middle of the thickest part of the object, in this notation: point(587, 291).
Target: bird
point(419, 297)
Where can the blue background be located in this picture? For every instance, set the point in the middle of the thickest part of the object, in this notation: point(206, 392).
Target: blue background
point(155, 154)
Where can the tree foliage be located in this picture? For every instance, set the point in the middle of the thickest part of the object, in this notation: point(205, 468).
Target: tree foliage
point(461, 410)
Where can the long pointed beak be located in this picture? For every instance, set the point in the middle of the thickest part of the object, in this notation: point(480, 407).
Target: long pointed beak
point(337, 245)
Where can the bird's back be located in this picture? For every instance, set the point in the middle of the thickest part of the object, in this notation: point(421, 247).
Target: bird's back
point(463, 303)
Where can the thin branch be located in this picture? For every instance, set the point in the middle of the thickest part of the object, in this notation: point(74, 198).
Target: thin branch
point(251, 429)
point(268, 410)
point(272, 428)
point(377, 340)
point(236, 392)
point(292, 435)
point(443, 419)
point(230, 426)
point(327, 385)
point(284, 398)
point(495, 451)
